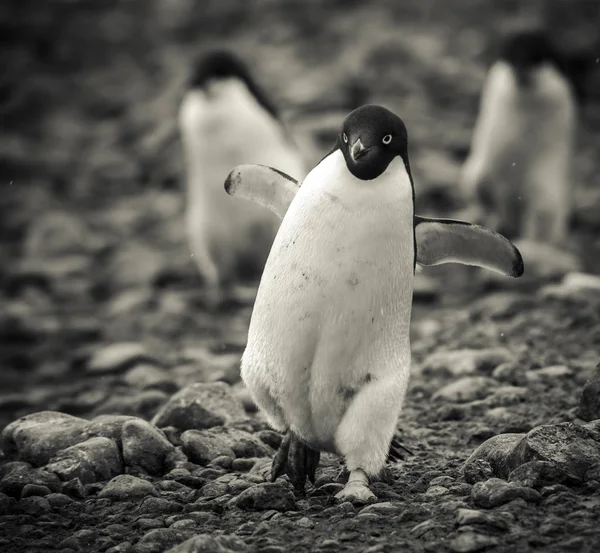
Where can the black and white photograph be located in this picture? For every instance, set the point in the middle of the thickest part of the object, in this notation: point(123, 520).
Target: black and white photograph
point(296, 276)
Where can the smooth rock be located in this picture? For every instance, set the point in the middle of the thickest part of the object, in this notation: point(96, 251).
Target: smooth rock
point(145, 446)
point(160, 540)
point(201, 405)
point(37, 437)
point(90, 461)
point(263, 497)
point(469, 542)
point(126, 487)
point(495, 492)
point(159, 505)
point(118, 357)
point(493, 520)
point(31, 490)
point(464, 362)
point(206, 543)
point(144, 375)
point(35, 506)
point(537, 474)
point(589, 402)
point(549, 373)
point(468, 388)
point(499, 452)
point(108, 426)
point(15, 481)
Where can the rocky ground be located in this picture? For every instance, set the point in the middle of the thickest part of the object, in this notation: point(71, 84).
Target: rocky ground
point(125, 425)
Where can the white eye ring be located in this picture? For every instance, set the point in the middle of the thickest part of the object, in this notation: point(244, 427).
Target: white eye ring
point(345, 138)
point(387, 139)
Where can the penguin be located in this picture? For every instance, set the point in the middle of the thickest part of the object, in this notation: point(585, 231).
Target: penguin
point(328, 354)
point(226, 119)
point(519, 166)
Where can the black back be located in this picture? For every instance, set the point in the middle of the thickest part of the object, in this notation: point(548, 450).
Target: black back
point(528, 49)
point(222, 64)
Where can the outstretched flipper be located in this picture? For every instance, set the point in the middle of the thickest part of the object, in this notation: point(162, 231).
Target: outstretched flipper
point(263, 185)
point(296, 460)
point(448, 241)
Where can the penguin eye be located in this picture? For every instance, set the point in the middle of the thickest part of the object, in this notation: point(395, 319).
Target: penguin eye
point(387, 139)
point(345, 138)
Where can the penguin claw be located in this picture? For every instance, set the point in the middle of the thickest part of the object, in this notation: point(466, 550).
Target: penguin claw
point(296, 460)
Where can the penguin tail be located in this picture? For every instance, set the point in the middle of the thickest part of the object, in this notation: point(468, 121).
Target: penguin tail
point(398, 451)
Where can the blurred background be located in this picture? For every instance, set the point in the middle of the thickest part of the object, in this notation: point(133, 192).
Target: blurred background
point(92, 241)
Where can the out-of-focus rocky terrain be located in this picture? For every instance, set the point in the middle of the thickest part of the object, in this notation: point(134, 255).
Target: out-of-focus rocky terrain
point(125, 425)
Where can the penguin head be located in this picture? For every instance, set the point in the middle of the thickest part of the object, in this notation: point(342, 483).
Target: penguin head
point(527, 50)
point(370, 138)
point(221, 66)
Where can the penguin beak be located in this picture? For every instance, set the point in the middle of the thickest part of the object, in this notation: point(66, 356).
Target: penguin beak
point(358, 150)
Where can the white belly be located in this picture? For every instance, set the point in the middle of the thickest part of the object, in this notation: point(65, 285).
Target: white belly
point(333, 306)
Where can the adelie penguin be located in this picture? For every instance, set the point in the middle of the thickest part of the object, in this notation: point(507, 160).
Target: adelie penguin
point(328, 353)
point(519, 167)
point(226, 119)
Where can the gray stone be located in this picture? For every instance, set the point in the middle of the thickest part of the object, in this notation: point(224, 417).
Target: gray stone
point(31, 490)
point(160, 540)
point(159, 506)
point(37, 437)
point(108, 426)
point(494, 520)
point(466, 389)
point(144, 375)
point(118, 357)
point(143, 403)
point(90, 461)
point(200, 406)
point(537, 474)
point(495, 492)
point(464, 362)
point(589, 402)
point(385, 508)
point(498, 452)
point(58, 500)
point(569, 447)
point(16, 480)
point(126, 487)
point(205, 543)
point(263, 497)
point(470, 542)
point(35, 506)
point(145, 446)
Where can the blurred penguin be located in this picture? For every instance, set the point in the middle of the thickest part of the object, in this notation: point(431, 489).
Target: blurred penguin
point(519, 166)
point(225, 120)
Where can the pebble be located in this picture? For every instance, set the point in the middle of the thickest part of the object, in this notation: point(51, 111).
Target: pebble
point(58, 500)
point(75, 488)
point(123, 547)
point(35, 506)
point(495, 492)
point(117, 357)
point(145, 446)
point(145, 375)
point(90, 461)
point(31, 490)
point(384, 508)
point(589, 402)
point(36, 438)
point(466, 389)
point(125, 487)
point(537, 474)
point(549, 374)
point(494, 519)
point(199, 406)
point(159, 505)
point(465, 362)
point(263, 497)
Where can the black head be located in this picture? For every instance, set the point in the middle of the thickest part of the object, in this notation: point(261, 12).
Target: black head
point(222, 64)
point(370, 138)
point(527, 50)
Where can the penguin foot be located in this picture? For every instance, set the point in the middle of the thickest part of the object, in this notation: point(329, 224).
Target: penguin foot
point(357, 489)
point(297, 460)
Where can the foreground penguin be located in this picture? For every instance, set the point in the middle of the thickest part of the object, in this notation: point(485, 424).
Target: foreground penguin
point(519, 166)
point(225, 119)
point(328, 353)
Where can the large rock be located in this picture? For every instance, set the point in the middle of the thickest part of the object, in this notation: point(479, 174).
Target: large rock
point(498, 451)
point(468, 388)
point(266, 497)
point(126, 487)
point(36, 438)
point(464, 362)
point(204, 446)
point(205, 543)
point(118, 357)
point(145, 446)
point(495, 492)
point(589, 403)
point(90, 461)
point(201, 406)
point(12, 483)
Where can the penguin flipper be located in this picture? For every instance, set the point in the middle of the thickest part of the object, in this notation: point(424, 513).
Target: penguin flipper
point(448, 241)
point(262, 185)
